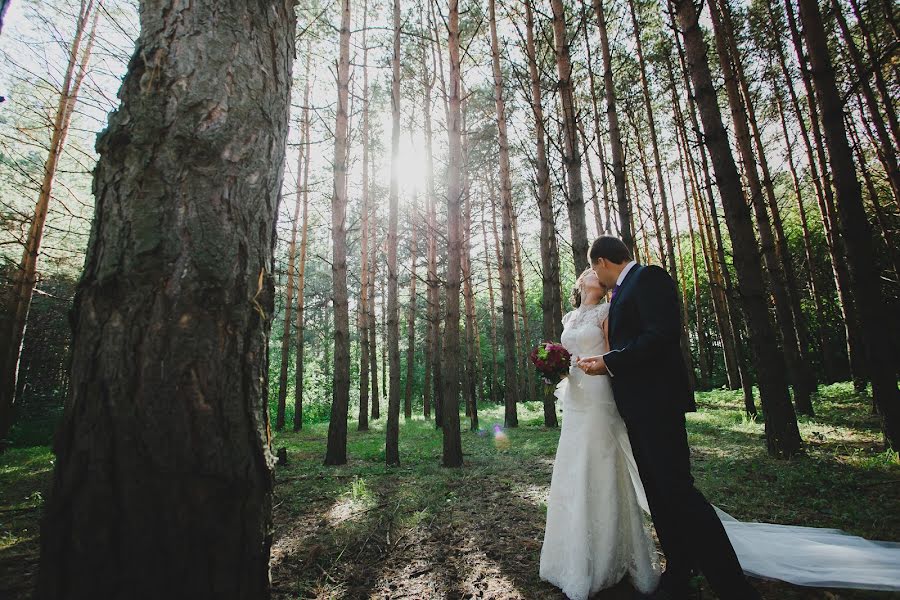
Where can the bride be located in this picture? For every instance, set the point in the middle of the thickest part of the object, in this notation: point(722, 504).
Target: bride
point(596, 533)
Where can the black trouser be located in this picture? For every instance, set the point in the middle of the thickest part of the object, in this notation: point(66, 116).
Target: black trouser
point(689, 531)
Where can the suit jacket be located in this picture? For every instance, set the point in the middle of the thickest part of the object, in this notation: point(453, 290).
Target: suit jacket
point(649, 377)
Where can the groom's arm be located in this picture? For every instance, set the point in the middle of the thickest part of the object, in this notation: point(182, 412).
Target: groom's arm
point(657, 304)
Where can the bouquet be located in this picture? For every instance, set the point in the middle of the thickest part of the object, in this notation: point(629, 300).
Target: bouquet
point(552, 361)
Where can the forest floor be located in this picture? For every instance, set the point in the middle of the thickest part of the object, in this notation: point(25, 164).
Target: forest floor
point(421, 531)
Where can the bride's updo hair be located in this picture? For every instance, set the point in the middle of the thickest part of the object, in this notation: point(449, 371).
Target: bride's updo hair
point(575, 298)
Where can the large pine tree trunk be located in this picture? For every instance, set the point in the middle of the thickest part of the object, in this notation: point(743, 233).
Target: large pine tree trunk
point(828, 210)
point(452, 446)
point(392, 453)
point(615, 136)
point(551, 293)
point(709, 225)
point(336, 452)
point(773, 262)
point(782, 250)
point(782, 433)
point(16, 301)
point(855, 227)
point(571, 152)
point(506, 264)
point(163, 480)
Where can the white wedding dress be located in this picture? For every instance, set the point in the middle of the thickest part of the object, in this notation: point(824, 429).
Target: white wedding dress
point(596, 532)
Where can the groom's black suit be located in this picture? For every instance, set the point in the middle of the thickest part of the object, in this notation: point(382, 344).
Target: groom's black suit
point(652, 391)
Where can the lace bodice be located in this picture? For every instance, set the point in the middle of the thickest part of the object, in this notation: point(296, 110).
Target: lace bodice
point(582, 332)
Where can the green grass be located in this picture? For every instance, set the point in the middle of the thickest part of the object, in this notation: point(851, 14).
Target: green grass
point(422, 531)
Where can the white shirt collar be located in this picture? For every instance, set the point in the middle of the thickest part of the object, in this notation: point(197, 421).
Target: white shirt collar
point(625, 272)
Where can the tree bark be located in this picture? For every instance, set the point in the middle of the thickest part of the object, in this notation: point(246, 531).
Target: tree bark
point(452, 446)
point(782, 433)
point(364, 271)
point(615, 136)
point(551, 293)
point(506, 264)
point(491, 306)
point(855, 347)
point(304, 239)
point(430, 284)
point(571, 152)
point(392, 452)
point(163, 481)
point(472, 346)
point(774, 263)
point(336, 451)
point(17, 300)
point(855, 228)
point(411, 319)
point(289, 299)
point(433, 295)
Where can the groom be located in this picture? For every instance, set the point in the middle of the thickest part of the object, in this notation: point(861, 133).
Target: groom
point(652, 392)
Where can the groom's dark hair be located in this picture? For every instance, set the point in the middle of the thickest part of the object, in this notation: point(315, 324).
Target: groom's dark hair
point(611, 248)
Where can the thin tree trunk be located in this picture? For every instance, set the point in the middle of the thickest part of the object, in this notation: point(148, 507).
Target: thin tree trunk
point(551, 293)
point(411, 319)
point(474, 378)
point(289, 300)
point(571, 152)
point(391, 449)
point(491, 305)
point(698, 312)
point(17, 299)
point(815, 292)
point(336, 452)
point(886, 150)
point(163, 480)
point(880, 217)
point(782, 433)
point(595, 113)
point(434, 297)
point(856, 229)
point(615, 136)
point(364, 350)
point(452, 446)
point(717, 293)
point(375, 412)
point(304, 239)
point(523, 309)
point(431, 317)
point(875, 67)
point(512, 394)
